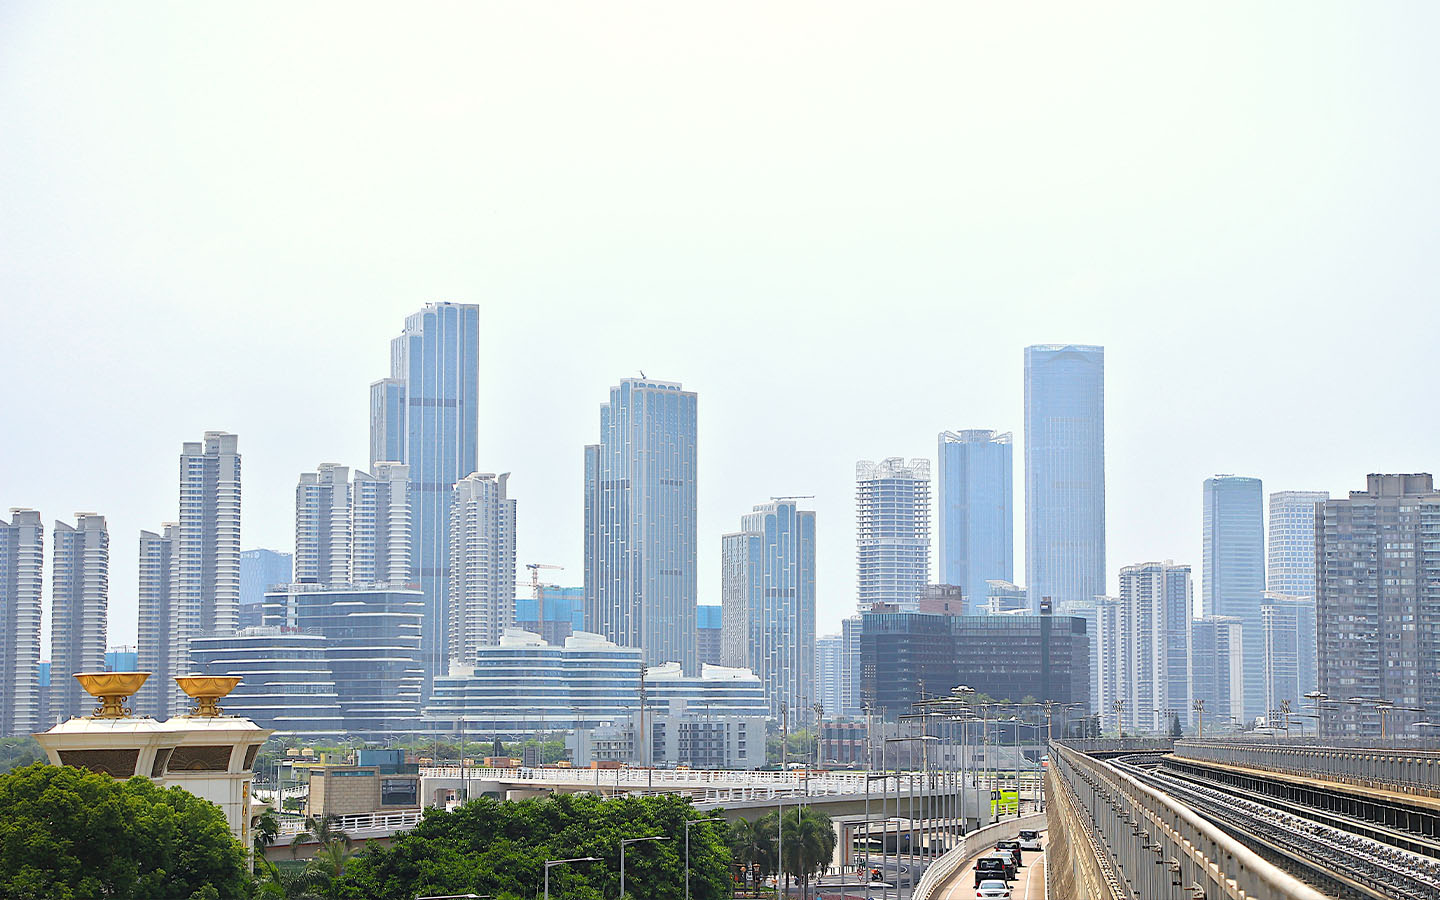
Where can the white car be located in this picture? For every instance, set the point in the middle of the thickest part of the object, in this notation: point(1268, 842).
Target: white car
point(993, 890)
point(1029, 840)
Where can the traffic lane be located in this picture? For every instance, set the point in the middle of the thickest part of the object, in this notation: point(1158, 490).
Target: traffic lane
point(1029, 883)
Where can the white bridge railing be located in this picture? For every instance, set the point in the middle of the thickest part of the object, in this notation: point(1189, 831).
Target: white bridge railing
point(697, 781)
point(367, 825)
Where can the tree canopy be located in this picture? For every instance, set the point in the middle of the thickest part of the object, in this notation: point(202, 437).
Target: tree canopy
point(70, 834)
point(497, 848)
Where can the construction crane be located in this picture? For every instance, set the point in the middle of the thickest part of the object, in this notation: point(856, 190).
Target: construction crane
point(535, 588)
point(795, 497)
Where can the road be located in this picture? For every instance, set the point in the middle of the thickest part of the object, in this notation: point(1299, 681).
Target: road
point(1029, 883)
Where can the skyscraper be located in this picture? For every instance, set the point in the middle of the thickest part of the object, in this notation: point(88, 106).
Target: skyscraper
point(830, 674)
point(79, 598)
point(261, 569)
point(22, 560)
point(892, 531)
point(153, 647)
point(1289, 631)
point(1154, 647)
point(1234, 570)
point(425, 416)
point(322, 526)
point(767, 593)
point(977, 536)
point(1377, 604)
point(1290, 551)
point(1064, 473)
point(203, 593)
point(851, 631)
point(482, 565)
point(1217, 670)
point(640, 529)
point(380, 534)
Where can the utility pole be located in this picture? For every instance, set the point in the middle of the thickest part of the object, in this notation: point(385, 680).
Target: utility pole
point(1199, 707)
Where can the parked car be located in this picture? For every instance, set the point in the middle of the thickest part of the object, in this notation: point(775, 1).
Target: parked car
point(1011, 845)
point(993, 890)
point(991, 868)
point(1030, 840)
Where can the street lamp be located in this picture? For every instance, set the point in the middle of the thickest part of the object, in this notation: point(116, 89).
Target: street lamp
point(910, 779)
point(623, 843)
point(1199, 706)
point(1118, 708)
point(688, 824)
point(559, 862)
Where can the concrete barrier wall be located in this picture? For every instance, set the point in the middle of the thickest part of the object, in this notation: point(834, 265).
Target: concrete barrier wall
point(948, 864)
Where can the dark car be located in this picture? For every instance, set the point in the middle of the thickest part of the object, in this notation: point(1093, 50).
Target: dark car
point(991, 867)
point(1012, 845)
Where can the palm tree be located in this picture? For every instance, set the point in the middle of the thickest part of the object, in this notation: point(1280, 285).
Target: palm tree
point(331, 859)
point(752, 845)
point(302, 884)
point(267, 828)
point(323, 830)
point(809, 845)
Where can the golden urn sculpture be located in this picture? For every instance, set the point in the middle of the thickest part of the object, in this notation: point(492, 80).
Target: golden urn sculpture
point(207, 691)
point(112, 689)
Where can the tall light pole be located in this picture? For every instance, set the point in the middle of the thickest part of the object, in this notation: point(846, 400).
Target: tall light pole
point(623, 844)
point(1199, 706)
point(688, 824)
point(558, 862)
point(1118, 707)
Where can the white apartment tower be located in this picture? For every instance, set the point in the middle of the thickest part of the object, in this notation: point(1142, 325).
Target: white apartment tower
point(79, 596)
point(1154, 653)
point(322, 526)
point(203, 592)
point(22, 560)
point(380, 525)
point(892, 531)
point(482, 565)
point(152, 644)
point(1290, 547)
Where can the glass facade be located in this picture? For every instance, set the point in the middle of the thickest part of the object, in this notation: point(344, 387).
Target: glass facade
point(1217, 670)
point(1064, 473)
point(1290, 545)
point(1289, 629)
point(977, 532)
point(1234, 570)
point(892, 531)
point(564, 613)
point(768, 595)
point(286, 680)
point(425, 415)
point(640, 521)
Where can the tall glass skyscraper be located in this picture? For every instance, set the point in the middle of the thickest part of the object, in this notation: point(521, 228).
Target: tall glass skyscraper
point(1290, 549)
point(640, 530)
point(892, 531)
point(1234, 570)
point(977, 537)
point(425, 416)
point(767, 601)
point(1064, 473)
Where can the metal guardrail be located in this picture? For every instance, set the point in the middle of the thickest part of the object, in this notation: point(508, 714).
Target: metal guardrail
point(788, 783)
point(950, 862)
point(1162, 850)
point(360, 825)
point(1118, 745)
point(1404, 771)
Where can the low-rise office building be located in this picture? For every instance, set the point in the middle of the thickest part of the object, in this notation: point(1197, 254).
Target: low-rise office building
point(698, 741)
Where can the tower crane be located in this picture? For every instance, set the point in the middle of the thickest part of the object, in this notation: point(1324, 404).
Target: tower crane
point(535, 588)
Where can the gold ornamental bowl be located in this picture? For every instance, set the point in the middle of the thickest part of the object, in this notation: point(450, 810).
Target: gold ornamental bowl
point(111, 689)
point(207, 691)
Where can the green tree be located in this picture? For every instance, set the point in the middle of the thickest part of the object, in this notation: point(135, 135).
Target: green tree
point(752, 845)
point(70, 834)
point(267, 828)
point(808, 843)
point(276, 883)
point(19, 751)
point(500, 848)
point(324, 830)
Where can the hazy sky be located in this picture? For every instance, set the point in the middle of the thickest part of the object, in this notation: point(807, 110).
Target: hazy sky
point(840, 224)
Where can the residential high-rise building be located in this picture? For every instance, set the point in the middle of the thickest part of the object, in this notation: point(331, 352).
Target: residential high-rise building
point(1064, 473)
point(1289, 626)
point(767, 601)
point(482, 564)
point(1290, 549)
point(153, 647)
point(322, 526)
point(259, 571)
point(425, 416)
point(851, 631)
point(79, 600)
point(830, 674)
point(1217, 670)
point(380, 535)
point(892, 531)
point(1234, 570)
point(1152, 654)
point(202, 565)
point(22, 560)
point(1377, 604)
point(709, 629)
point(353, 532)
point(976, 497)
point(640, 521)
